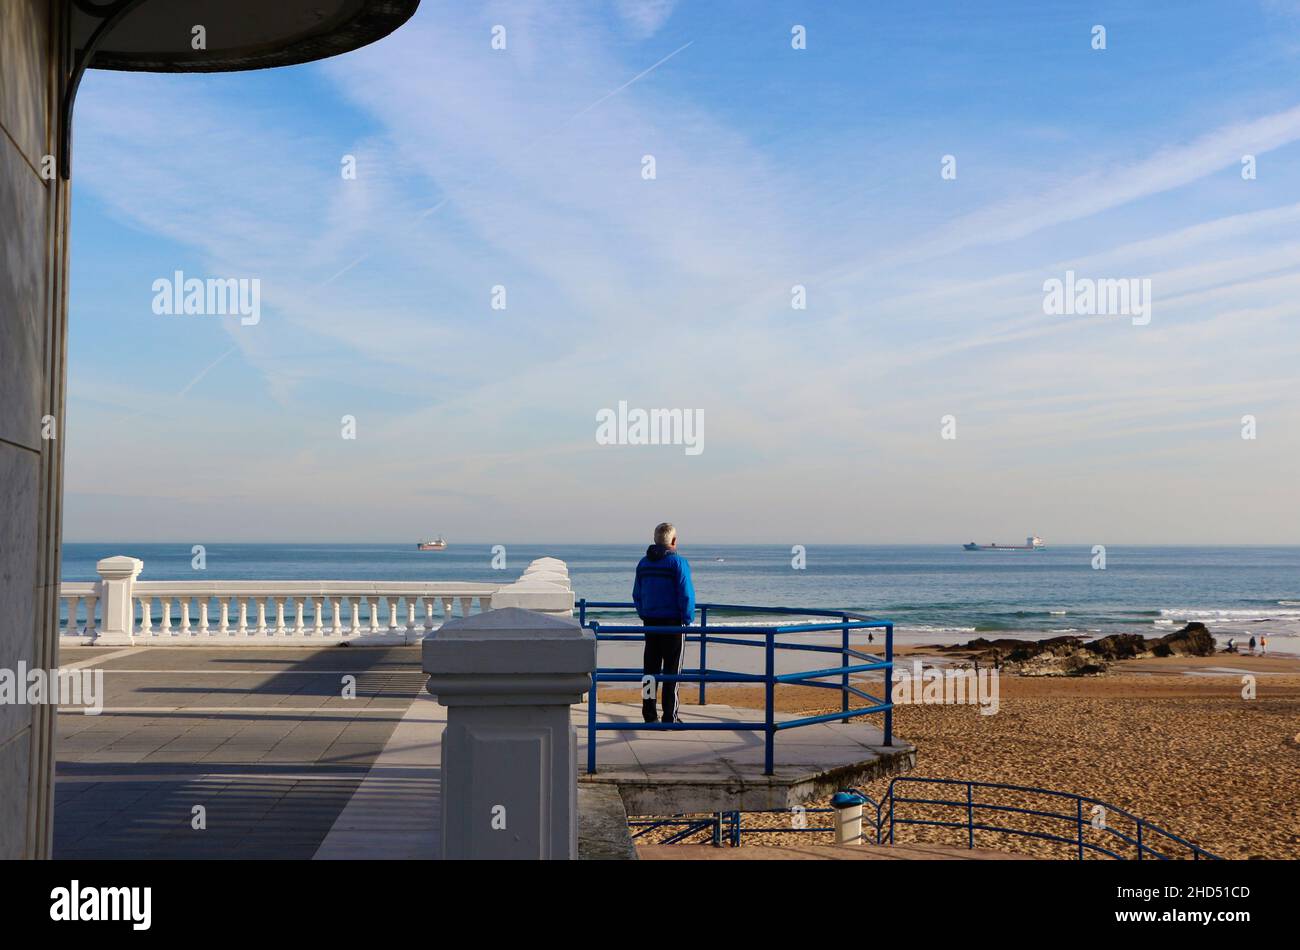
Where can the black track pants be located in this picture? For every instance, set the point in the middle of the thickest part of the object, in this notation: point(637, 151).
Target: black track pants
point(663, 656)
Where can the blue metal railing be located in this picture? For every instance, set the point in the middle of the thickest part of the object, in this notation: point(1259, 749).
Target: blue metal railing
point(1140, 840)
point(846, 622)
point(687, 827)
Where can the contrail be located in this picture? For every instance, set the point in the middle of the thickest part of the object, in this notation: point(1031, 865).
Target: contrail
point(207, 369)
point(577, 115)
point(190, 385)
point(639, 75)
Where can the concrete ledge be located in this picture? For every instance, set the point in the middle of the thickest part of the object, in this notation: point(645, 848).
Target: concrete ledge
point(603, 834)
point(822, 852)
point(687, 772)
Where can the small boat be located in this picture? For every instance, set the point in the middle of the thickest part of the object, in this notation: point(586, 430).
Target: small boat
point(1032, 543)
point(437, 544)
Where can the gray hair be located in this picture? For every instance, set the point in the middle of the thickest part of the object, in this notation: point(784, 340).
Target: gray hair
point(664, 533)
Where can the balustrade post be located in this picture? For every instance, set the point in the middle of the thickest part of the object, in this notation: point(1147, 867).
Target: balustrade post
point(74, 603)
point(509, 770)
point(116, 589)
point(91, 630)
point(412, 632)
point(539, 588)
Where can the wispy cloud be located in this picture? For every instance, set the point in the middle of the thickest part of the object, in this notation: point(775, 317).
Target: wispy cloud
point(645, 16)
point(1084, 196)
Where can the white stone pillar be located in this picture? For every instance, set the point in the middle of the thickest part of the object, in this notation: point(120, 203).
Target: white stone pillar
point(116, 587)
point(544, 587)
point(509, 750)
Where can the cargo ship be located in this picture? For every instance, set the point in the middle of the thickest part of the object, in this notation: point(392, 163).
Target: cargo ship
point(1032, 543)
point(437, 544)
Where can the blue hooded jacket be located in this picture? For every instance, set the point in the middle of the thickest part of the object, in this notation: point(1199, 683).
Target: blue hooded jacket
point(663, 588)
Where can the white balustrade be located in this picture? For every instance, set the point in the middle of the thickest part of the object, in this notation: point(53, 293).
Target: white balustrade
point(386, 612)
point(74, 596)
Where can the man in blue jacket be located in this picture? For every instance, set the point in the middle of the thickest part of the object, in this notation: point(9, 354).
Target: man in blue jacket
point(664, 597)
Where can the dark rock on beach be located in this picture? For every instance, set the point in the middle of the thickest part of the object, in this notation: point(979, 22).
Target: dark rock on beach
point(1119, 646)
point(1193, 640)
point(1071, 656)
point(1058, 664)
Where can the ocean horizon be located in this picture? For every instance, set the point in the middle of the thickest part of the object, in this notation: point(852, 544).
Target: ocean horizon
point(934, 593)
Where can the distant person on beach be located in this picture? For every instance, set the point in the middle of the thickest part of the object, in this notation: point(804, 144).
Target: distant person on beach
point(1252, 646)
point(1232, 646)
point(1263, 645)
point(664, 597)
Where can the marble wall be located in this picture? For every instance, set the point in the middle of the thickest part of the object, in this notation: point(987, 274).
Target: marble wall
point(33, 321)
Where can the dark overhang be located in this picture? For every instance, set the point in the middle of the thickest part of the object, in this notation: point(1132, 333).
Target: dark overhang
point(213, 36)
point(160, 36)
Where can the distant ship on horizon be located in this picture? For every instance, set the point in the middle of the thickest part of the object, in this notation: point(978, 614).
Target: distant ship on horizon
point(437, 544)
point(1032, 543)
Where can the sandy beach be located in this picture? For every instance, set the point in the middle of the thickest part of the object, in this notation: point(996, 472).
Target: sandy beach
point(1171, 740)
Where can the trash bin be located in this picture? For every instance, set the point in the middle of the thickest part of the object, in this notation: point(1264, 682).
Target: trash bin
point(848, 816)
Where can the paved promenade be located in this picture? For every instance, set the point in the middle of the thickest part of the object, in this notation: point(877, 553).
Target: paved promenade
point(263, 739)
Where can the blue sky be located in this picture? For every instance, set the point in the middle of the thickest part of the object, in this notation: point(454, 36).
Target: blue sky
point(522, 167)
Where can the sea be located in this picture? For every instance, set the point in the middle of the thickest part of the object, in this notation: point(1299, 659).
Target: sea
point(934, 594)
